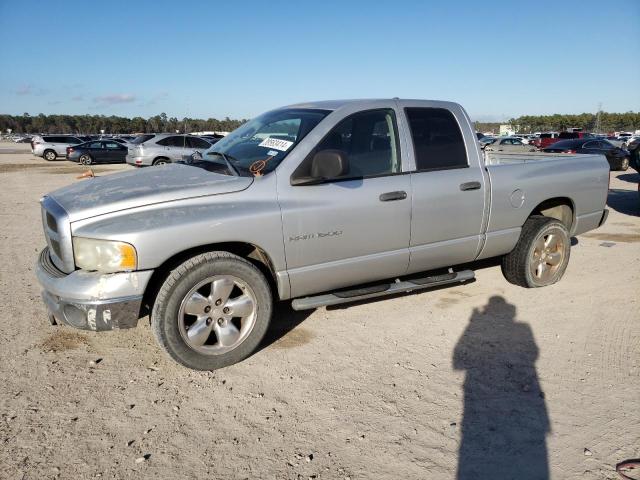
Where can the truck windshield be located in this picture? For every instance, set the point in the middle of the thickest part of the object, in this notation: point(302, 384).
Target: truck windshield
point(261, 144)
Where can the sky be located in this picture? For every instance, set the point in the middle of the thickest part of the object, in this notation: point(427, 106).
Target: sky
point(499, 59)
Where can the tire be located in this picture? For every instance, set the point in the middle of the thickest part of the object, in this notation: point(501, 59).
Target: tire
point(624, 164)
point(161, 161)
point(186, 288)
point(518, 266)
point(49, 155)
point(85, 159)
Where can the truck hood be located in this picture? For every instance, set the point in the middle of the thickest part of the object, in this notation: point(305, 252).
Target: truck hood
point(120, 191)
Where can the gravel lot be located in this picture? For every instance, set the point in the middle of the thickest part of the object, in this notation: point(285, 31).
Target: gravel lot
point(487, 379)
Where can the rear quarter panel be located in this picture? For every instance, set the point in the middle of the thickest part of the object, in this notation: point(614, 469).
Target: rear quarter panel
point(519, 183)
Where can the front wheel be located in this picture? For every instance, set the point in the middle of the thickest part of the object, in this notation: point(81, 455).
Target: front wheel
point(541, 255)
point(212, 311)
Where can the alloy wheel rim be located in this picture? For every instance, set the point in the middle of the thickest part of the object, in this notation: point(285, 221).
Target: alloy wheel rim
point(547, 255)
point(217, 314)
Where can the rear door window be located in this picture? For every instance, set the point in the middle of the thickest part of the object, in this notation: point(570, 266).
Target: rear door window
point(437, 139)
point(95, 145)
point(175, 141)
point(194, 142)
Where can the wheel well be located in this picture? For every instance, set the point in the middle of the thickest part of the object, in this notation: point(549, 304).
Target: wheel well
point(254, 254)
point(160, 158)
point(559, 208)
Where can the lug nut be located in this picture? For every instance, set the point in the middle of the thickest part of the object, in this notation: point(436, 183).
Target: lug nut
point(209, 320)
point(207, 309)
point(218, 302)
point(220, 321)
point(225, 310)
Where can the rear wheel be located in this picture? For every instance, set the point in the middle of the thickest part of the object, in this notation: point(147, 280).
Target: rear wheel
point(541, 255)
point(212, 311)
point(49, 155)
point(160, 161)
point(85, 159)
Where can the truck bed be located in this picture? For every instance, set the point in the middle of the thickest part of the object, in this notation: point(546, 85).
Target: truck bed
point(504, 158)
point(521, 181)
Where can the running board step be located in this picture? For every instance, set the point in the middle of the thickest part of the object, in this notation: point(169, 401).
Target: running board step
point(356, 294)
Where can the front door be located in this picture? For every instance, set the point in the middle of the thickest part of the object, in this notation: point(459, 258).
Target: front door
point(447, 194)
point(354, 228)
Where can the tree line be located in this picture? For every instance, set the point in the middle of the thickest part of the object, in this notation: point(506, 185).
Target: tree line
point(608, 122)
point(589, 122)
point(85, 124)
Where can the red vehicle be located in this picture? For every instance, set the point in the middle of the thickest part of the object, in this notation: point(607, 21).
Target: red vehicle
point(547, 139)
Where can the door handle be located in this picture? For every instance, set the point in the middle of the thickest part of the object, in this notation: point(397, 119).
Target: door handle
point(469, 186)
point(391, 196)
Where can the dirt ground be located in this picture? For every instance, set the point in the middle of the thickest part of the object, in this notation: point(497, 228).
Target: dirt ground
point(485, 380)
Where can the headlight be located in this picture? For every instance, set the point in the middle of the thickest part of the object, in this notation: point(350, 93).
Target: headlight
point(105, 256)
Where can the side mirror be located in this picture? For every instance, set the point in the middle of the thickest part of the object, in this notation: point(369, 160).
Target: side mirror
point(325, 165)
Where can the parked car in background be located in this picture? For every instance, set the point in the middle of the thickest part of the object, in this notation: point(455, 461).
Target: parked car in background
point(545, 139)
point(120, 140)
point(618, 142)
point(508, 144)
point(618, 158)
point(97, 151)
point(633, 147)
point(165, 148)
point(484, 141)
point(523, 138)
point(52, 146)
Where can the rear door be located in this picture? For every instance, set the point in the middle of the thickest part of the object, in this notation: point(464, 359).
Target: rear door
point(195, 144)
point(174, 147)
point(114, 152)
point(447, 192)
point(355, 228)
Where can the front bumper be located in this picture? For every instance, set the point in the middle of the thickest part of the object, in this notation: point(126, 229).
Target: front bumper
point(92, 300)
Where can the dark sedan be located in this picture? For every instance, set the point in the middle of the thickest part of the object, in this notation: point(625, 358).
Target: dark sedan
point(97, 151)
point(618, 158)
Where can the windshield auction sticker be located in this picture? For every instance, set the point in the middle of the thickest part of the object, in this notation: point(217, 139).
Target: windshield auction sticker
point(282, 145)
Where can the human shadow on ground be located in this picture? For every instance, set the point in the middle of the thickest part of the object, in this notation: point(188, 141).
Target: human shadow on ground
point(629, 177)
point(505, 420)
point(624, 201)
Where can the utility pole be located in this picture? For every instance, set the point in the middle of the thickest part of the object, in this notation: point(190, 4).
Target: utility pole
point(598, 118)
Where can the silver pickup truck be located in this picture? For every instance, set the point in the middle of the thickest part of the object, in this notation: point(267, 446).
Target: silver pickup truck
point(322, 203)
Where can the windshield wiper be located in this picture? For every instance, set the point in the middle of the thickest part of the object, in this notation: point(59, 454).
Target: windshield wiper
point(228, 162)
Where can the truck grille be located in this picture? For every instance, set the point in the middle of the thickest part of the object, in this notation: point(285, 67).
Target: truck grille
point(57, 232)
